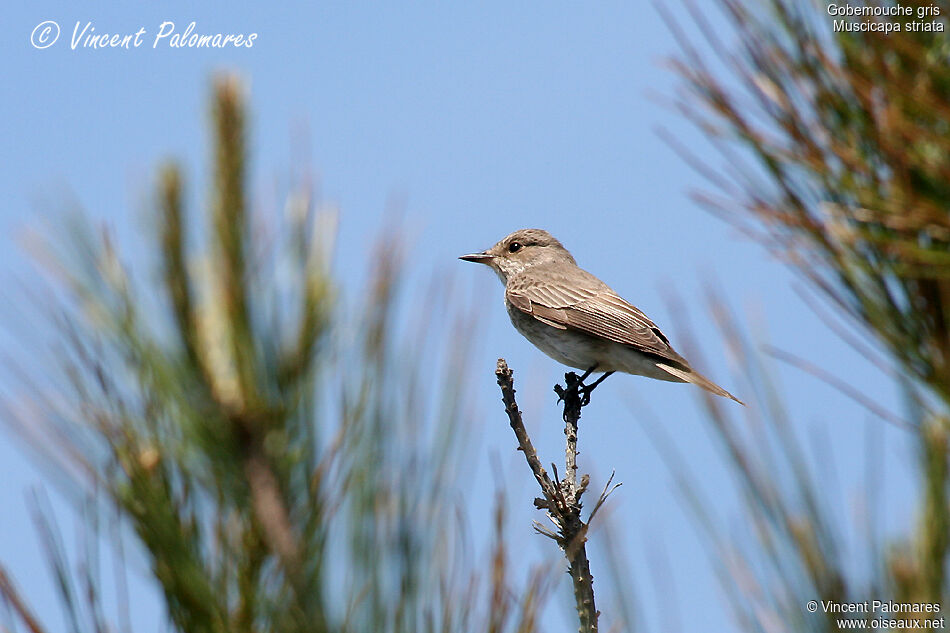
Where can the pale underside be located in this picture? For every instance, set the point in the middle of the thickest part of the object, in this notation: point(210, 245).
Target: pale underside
point(577, 320)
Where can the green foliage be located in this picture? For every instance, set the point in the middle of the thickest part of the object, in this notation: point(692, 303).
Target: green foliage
point(838, 153)
point(851, 148)
point(285, 465)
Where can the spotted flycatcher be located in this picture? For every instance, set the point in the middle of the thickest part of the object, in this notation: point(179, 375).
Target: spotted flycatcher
point(576, 319)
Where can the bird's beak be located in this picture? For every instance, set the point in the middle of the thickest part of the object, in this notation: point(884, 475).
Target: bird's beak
point(481, 258)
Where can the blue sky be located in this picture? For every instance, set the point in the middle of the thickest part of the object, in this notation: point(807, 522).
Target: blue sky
point(479, 120)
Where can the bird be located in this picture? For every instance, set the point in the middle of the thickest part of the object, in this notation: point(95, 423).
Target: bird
point(577, 319)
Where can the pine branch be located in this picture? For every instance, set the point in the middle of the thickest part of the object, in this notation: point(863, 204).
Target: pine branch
point(12, 597)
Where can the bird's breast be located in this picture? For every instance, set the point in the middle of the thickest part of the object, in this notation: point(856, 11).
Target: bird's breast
point(569, 347)
point(583, 351)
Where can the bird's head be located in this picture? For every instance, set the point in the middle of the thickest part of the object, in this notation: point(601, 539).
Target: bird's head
point(521, 250)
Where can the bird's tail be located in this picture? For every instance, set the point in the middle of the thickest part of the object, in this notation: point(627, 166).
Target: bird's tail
point(698, 379)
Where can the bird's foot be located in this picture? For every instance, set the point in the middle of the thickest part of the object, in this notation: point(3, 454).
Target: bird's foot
point(586, 390)
point(570, 393)
point(576, 392)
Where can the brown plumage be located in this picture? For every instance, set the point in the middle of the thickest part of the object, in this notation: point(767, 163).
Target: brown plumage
point(577, 319)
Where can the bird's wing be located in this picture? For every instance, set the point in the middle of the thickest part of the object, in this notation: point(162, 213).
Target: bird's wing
point(582, 302)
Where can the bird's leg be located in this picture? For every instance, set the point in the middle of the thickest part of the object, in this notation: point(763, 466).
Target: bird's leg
point(578, 391)
point(587, 373)
point(574, 386)
point(587, 389)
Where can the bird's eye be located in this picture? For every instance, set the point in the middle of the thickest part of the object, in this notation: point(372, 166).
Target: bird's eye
point(514, 247)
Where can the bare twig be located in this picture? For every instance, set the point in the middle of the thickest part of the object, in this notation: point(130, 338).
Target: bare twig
point(562, 498)
point(572, 413)
point(503, 374)
point(604, 494)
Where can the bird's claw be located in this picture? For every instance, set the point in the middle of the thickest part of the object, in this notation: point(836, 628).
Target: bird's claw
point(575, 388)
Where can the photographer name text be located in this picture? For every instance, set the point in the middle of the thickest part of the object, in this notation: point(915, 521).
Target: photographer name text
point(873, 606)
point(85, 35)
